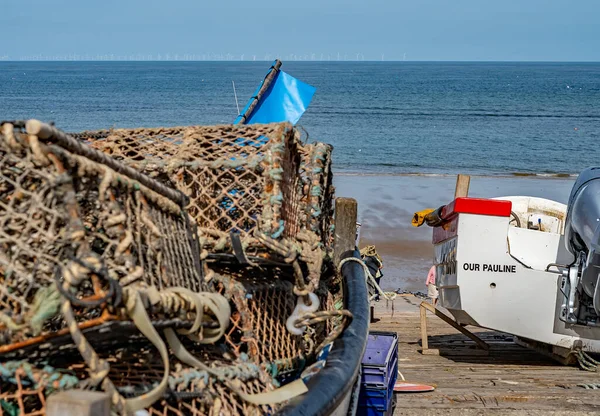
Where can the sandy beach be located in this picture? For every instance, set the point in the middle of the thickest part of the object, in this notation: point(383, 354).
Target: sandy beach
point(386, 204)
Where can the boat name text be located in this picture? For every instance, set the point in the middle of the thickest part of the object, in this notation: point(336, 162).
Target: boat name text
point(495, 268)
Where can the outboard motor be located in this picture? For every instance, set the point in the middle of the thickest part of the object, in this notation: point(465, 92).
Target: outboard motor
point(580, 283)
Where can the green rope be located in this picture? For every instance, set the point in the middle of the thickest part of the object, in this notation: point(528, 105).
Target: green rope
point(45, 306)
point(51, 378)
point(10, 408)
point(46, 303)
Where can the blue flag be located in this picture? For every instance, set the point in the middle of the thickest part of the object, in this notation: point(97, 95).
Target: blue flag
point(280, 97)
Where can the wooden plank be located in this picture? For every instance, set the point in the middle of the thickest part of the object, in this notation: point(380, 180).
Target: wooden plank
point(471, 384)
point(346, 214)
point(424, 341)
point(458, 327)
point(462, 186)
point(462, 352)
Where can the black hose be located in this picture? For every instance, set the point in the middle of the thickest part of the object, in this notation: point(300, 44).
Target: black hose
point(516, 217)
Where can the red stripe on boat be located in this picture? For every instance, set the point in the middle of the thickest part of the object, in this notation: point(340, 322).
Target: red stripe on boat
point(477, 206)
point(492, 207)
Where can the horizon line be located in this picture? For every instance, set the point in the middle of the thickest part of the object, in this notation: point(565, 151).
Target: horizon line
point(307, 60)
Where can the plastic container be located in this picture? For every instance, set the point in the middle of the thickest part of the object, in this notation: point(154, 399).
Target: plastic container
point(379, 371)
point(380, 362)
point(371, 411)
point(379, 399)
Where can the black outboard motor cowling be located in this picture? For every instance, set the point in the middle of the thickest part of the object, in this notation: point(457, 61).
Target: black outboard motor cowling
point(582, 239)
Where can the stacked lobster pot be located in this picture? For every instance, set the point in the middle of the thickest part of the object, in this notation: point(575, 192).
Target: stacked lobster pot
point(181, 270)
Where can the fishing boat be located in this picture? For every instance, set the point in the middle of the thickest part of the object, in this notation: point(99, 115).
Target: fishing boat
point(525, 266)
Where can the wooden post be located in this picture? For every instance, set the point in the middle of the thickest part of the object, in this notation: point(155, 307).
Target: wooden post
point(424, 341)
point(78, 403)
point(462, 186)
point(346, 214)
point(428, 307)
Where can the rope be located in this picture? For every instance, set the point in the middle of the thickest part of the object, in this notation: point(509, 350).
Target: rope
point(77, 270)
point(287, 392)
point(48, 377)
point(371, 251)
point(214, 302)
point(41, 130)
point(136, 310)
point(586, 362)
point(322, 316)
point(172, 300)
point(45, 305)
point(390, 296)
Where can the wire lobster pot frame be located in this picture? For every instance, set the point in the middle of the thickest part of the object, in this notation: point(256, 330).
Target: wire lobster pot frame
point(68, 213)
point(87, 242)
point(257, 194)
point(246, 180)
point(26, 385)
point(108, 242)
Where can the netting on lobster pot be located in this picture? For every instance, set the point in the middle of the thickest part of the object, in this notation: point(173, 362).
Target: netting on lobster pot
point(240, 179)
point(98, 250)
point(92, 248)
point(67, 218)
point(264, 303)
point(26, 385)
point(259, 197)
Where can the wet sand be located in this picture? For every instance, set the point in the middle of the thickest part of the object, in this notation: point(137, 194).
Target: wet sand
point(386, 205)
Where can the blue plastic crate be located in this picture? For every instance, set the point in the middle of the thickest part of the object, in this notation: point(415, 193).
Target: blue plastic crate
point(379, 378)
point(380, 361)
point(378, 399)
point(371, 411)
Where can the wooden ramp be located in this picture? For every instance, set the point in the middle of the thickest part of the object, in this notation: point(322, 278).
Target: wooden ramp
point(506, 380)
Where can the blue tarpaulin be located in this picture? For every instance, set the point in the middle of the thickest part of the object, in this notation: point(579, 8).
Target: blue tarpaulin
point(285, 99)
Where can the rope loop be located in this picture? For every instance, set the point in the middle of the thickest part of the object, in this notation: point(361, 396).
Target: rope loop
point(369, 277)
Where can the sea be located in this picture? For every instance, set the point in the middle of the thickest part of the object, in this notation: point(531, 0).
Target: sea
point(383, 118)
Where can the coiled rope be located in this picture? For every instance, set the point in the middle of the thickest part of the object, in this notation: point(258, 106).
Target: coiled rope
point(371, 251)
point(389, 296)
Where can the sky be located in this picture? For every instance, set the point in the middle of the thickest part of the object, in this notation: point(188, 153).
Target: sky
point(455, 30)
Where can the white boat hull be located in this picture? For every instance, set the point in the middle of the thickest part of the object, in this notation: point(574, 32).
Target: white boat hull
point(494, 275)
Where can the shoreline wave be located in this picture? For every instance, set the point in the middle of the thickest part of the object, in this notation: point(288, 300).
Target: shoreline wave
point(524, 175)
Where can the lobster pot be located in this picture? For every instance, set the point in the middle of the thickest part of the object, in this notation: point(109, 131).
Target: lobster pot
point(77, 226)
point(263, 301)
point(192, 391)
point(244, 182)
point(318, 190)
point(26, 385)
